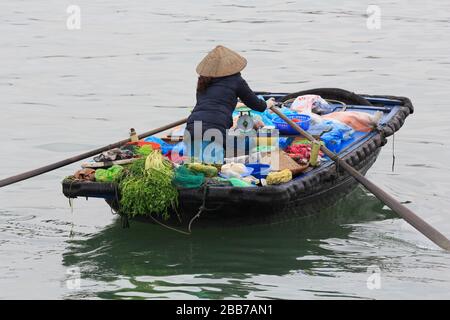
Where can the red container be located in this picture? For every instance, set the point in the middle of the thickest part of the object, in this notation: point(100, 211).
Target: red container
point(140, 143)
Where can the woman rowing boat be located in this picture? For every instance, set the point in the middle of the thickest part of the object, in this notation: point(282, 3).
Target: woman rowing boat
point(219, 86)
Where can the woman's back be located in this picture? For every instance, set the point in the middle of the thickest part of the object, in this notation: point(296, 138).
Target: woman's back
point(215, 104)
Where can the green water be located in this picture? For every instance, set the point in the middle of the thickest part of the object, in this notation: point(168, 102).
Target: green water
point(217, 263)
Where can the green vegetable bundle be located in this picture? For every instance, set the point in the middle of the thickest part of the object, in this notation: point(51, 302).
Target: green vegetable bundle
point(208, 170)
point(108, 175)
point(146, 187)
point(144, 151)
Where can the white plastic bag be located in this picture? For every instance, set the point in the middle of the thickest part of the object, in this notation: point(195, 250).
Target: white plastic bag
point(306, 103)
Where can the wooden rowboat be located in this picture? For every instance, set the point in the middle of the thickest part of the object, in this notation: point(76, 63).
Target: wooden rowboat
point(307, 194)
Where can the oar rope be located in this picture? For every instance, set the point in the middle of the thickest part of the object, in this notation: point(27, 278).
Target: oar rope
point(409, 216)
point(62, 163)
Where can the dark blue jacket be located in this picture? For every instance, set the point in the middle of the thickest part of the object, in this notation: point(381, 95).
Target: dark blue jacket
point(216, 104)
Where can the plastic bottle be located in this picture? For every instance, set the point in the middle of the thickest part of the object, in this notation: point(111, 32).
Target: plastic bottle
point(133, 135)
point(315, 147)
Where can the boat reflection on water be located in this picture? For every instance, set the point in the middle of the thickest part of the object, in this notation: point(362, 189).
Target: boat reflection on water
point(149, 261)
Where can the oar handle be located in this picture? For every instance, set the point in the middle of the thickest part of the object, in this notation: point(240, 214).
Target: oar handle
point(422, 226)
point(65, 162)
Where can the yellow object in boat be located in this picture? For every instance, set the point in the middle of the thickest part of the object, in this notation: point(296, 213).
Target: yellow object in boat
point(279, 177)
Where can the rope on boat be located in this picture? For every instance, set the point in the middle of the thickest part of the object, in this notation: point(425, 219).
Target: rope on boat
point(71, 199)
point(125, 221)
point(169, 227)
point(337, 166)
point(336, 101)
point(393, 152)
point(201, 208)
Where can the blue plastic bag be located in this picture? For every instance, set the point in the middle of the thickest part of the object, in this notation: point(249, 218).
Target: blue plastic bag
point(179, 148)
point(165, 147)
point(284, 142)
point(263, 116)
point(316, 128)
point(340, 132)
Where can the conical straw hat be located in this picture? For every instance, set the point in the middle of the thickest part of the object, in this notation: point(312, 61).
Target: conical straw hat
point(221, 62)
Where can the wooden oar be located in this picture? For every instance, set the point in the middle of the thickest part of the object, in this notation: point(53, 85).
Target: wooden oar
point(410, 217)
point(62, 163)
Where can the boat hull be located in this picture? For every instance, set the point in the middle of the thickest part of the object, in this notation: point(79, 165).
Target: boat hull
point(250, 212)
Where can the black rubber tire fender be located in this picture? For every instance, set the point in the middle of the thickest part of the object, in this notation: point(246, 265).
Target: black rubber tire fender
point(342, 95)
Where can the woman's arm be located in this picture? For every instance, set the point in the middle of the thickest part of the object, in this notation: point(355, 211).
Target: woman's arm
point(249, 98)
